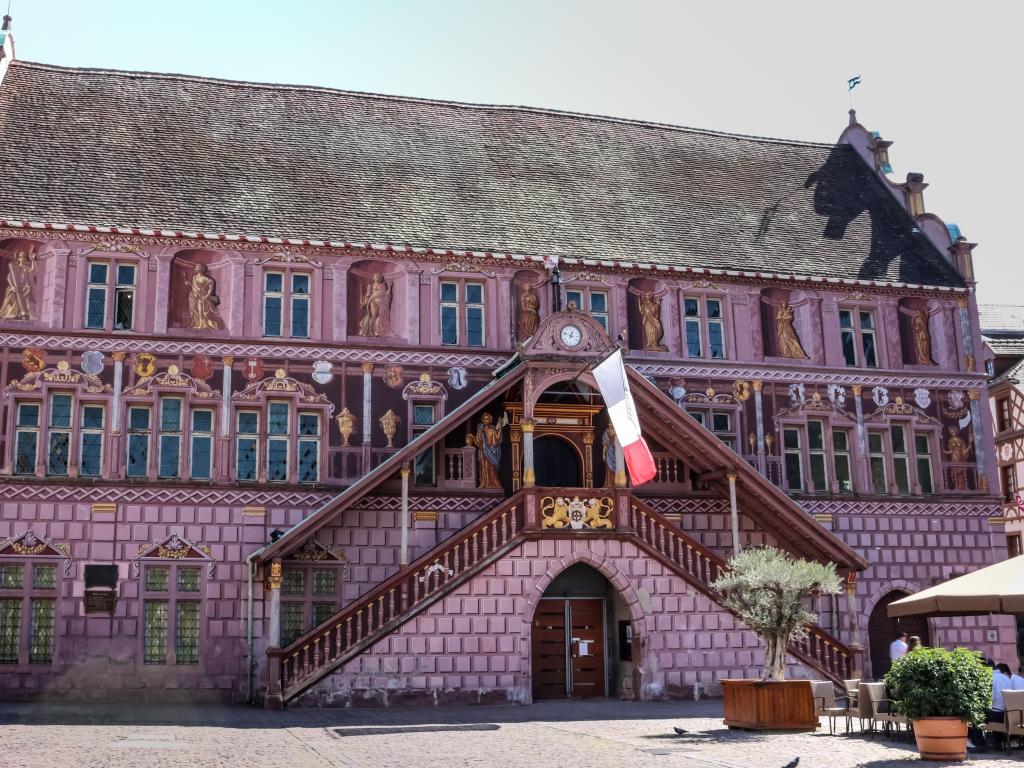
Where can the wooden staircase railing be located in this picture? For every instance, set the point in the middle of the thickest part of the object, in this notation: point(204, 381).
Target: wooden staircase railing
point(700, 566)
point(396, 600)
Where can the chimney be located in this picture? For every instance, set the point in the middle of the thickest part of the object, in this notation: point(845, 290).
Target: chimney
point(962, 258)
point(880, 149)
point(914, 191)
point(6, 46)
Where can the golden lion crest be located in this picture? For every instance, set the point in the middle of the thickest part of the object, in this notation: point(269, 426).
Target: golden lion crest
point(576, 514)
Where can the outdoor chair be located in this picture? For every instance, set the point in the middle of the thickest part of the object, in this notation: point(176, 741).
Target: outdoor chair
point(824, 694)
point(880, 707)
point(863, 710)
point(1013, 718)
point(850, 691)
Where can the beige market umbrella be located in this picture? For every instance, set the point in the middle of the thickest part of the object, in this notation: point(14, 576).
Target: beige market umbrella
point(997, 588)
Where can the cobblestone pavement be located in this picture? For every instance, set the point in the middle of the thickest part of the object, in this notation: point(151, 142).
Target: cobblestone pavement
point(587, 734)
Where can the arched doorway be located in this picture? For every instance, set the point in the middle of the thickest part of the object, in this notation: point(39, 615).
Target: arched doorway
point(882, 631)
point(556, 463)
point(572, 650)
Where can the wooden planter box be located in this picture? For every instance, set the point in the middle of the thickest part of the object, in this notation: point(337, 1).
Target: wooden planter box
point(769, 705)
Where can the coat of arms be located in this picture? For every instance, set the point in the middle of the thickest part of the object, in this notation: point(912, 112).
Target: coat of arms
point(322, 372)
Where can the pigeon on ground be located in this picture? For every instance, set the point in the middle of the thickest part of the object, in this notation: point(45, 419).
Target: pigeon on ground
point(679, 731)
point(793, 763)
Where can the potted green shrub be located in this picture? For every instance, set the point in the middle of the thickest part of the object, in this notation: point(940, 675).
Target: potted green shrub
point(942, 692)
point(767, 589)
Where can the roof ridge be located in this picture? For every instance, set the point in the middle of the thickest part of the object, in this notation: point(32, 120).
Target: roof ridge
point(421, 100)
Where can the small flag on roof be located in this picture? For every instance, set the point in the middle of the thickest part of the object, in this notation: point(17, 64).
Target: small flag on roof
point(853, 82)
point(614, 387)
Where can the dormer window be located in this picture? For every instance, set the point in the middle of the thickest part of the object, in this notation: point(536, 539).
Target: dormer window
point(110, 279)
point(704, 327)
point(286, 304)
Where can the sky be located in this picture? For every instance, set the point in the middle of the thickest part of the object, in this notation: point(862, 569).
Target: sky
point(939, 79)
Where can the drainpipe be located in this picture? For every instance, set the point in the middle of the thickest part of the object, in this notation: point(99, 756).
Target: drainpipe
point(734, 517)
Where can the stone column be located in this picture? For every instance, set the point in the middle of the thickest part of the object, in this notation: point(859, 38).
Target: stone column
point(404, 554)
point(977, 428)
point(734, 516)
point(115, 400)
point(759, 423)
point(225, 397)
point(529, 476)
point(853, 631)
point(620, 465)
point(367, 403)
point(862, 448)
point(274, 699)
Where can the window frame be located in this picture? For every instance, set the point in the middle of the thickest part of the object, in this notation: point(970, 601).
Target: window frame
point(173, 596)
point(704, 322)
point(112, 288)
point(308, 598)
point(290, 299)
point(1004, 418)
point(462, 307)
point(36, 431)
point(859, 334)
point(586, 302)
point(27, 594)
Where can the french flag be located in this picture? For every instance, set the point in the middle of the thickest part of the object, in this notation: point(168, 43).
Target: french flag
point(614, 387)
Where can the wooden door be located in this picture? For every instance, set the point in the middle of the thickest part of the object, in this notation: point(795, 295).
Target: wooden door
point(548, 648)
point(568, 646)
point(882, 631)
point(586, 648)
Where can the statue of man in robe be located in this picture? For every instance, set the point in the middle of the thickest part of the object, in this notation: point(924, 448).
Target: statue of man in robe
point(203, 300)
point(18, 297)
point(376, 304)
point(488, 450)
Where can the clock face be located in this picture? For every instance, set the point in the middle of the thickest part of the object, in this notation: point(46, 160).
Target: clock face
point(570, 335)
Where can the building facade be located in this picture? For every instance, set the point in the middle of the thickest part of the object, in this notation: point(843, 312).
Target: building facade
point(297, 405)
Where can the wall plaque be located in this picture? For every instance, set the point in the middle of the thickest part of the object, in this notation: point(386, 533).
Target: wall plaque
point(100, 601)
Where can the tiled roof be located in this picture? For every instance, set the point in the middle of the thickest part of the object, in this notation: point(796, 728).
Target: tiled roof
point(1001, 319)
point(94, 147)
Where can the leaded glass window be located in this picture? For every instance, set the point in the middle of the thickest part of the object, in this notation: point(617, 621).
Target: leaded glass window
point(841, 460)
point(201, 457)
point(124, 298)
point(186, 640)
point(900, 458)
point(325, 581)
point(155, 632)
point(157, 578)
point(293, 582)
point(12, 576)
point(923, 449)
point(60, 435)
point(449, 313)
point(876, 461)
point(309, 447)
point(292, 625)
point(138, 442)
point(27, 439)
point(90, 458)
point(792, 451)
point(273, 302)
point(321, 613)
point(247, 451)
point(188, 579)
point(277, 442)
point(10, 630)
point(170, 437)
point(817, 455)
point(475, 314)
point(41, 631)
point(96, 296)
point(300, 306)
point(44, 576)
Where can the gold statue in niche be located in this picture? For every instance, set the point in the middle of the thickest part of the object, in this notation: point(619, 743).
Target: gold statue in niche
point(649, 304)
point(18, 298)
point(922, 338)
point(529, 312)
point(376, 304)
point(488, 450)
point(786, 338)
point(203, 300)
point(958, 450)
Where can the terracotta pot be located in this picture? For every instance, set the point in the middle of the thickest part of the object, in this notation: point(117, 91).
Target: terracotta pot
point(941, 738)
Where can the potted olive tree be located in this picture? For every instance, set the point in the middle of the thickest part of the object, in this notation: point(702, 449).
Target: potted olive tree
point(767, 589)
point(942, 692)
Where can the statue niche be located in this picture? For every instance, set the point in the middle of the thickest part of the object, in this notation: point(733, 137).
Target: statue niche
point(19, 291)
point(915, 331)
point(779, 323)
point(375, 299)
point(199, 282)
point(376, 306)
point(645, 315)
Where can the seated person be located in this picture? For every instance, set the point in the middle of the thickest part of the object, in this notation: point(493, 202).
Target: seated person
point(1017, 679)
point(995, 714)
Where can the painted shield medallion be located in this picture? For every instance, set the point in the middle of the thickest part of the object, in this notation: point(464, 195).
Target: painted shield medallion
point(322, 372)
point(92, 362)
point(202, 367)
point(253, 369)
point(393, 376)
point(458, 377)
point(34, 359)
point(145, 364)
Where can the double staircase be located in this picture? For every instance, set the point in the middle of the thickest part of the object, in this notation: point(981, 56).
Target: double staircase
point(382, 610)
